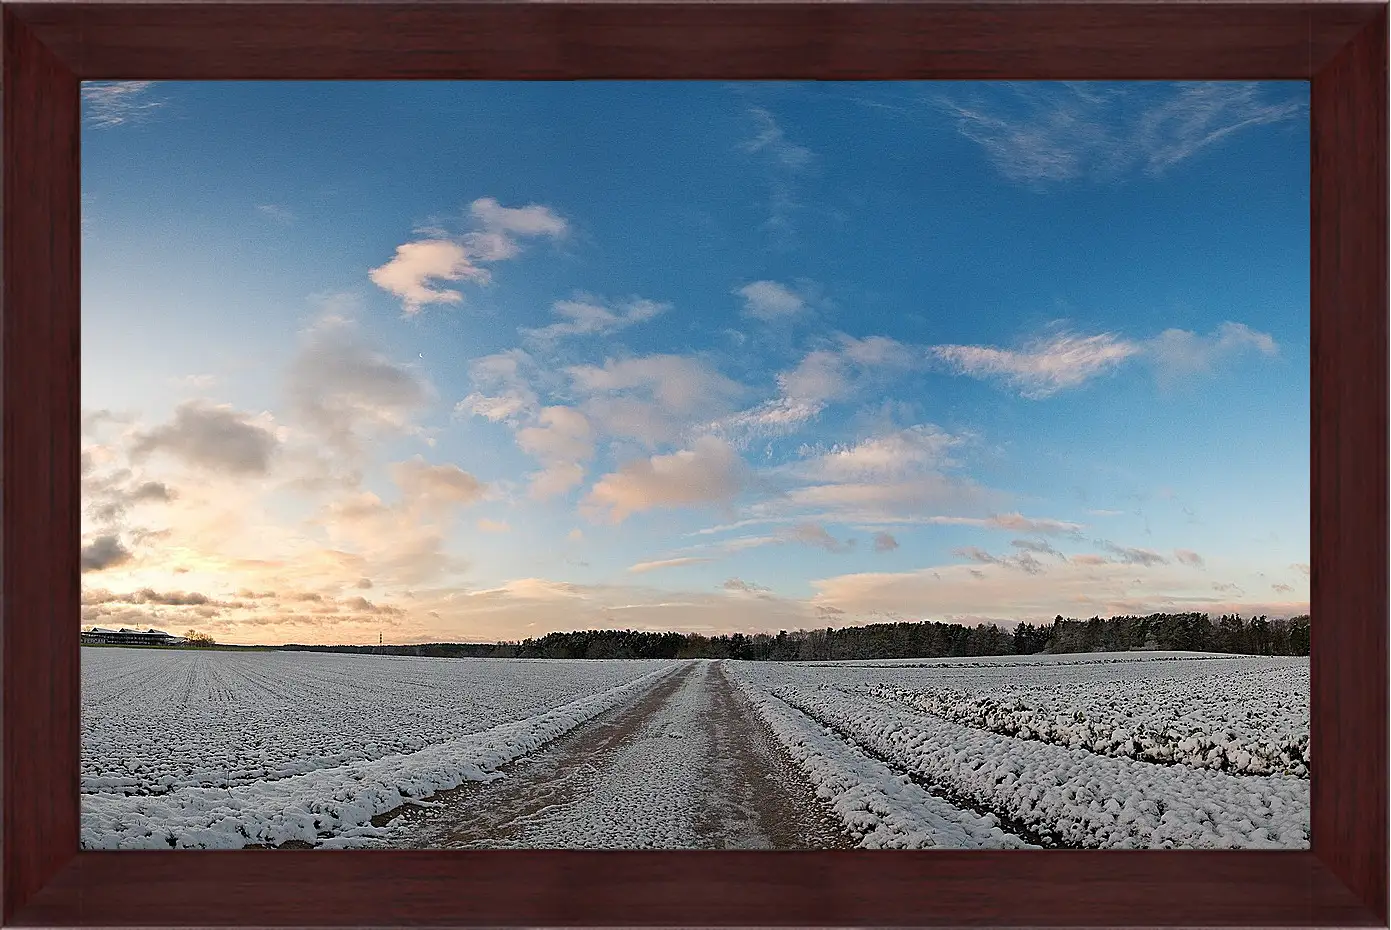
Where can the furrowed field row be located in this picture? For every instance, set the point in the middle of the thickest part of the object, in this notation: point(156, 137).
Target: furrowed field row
point(1072, 796)
point(1255, 723)
point(332, 807)
point(155, 721)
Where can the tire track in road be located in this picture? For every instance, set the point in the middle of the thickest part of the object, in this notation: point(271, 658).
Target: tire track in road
point(689, 765)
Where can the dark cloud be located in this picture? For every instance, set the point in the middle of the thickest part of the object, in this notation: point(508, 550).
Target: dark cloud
point(216, 438)
point(885, 542)
point(341, 389)
point(1038, 545)
point(1189, 557)
point(1024, 561)
point(1131, 556)
point(814, 534)
point(748, 587)
point(104, 552)
point(364, 583)
point(108, 498)
point(366, 606)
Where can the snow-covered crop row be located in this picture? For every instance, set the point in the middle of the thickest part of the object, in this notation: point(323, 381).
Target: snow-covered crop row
point(1254, 721)
point(1062, 796)
point(332, 807)
point(155, 721)
point(881, 808)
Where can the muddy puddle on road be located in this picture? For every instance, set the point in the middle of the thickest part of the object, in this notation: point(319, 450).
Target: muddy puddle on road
point(689, 765)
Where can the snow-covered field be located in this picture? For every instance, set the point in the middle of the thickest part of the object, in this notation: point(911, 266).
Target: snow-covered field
point(220, 749)
point(1128, 750)
point(1099, 751)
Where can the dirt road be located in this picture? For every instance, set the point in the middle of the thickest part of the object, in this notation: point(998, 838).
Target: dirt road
point(690, 765)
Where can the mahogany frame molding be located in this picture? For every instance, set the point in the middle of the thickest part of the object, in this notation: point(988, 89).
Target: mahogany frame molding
point(49, 47)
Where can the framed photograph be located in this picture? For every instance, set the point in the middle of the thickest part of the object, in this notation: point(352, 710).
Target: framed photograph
point(740, 464)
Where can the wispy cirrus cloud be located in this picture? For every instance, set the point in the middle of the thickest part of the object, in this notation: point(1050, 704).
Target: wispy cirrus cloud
point(643, 567)
point(116, 103)
point(1041, 133)
point(585, 315)
point(833, 372)
point(1048, 365)
point(271, 211)
point(1043, 367)
point(787, 162)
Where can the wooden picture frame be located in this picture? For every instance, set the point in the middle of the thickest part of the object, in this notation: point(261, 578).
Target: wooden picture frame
point(49, 47)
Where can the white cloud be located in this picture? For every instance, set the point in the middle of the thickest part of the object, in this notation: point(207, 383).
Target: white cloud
point(769, 300)
point(415, 264)
point(1043, 367)
point(531, 220)
point(914, 449)
point(709, 472)
point(920, 498)
point(506, 375)
point(562, 442)
point(441, 257)
point(588, 316)
point(1179, 354)
point(653, 399)
point(425, 485)
point(1021, 524)
point(823, 376)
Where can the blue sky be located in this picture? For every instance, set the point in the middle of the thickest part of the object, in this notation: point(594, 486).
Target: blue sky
point(455, 361)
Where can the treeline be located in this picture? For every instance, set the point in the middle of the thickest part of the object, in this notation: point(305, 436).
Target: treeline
point(1189, 632)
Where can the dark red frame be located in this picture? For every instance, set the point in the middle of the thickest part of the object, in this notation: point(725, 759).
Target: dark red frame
point(49, 47)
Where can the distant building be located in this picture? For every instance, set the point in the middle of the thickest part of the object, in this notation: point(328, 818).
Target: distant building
point(126, 636)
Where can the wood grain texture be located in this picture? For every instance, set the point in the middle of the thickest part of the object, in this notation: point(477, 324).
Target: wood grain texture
point(48, 47)
point(707, 889)
point(1348, 673)
point(695, 40)
point(39, 368)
